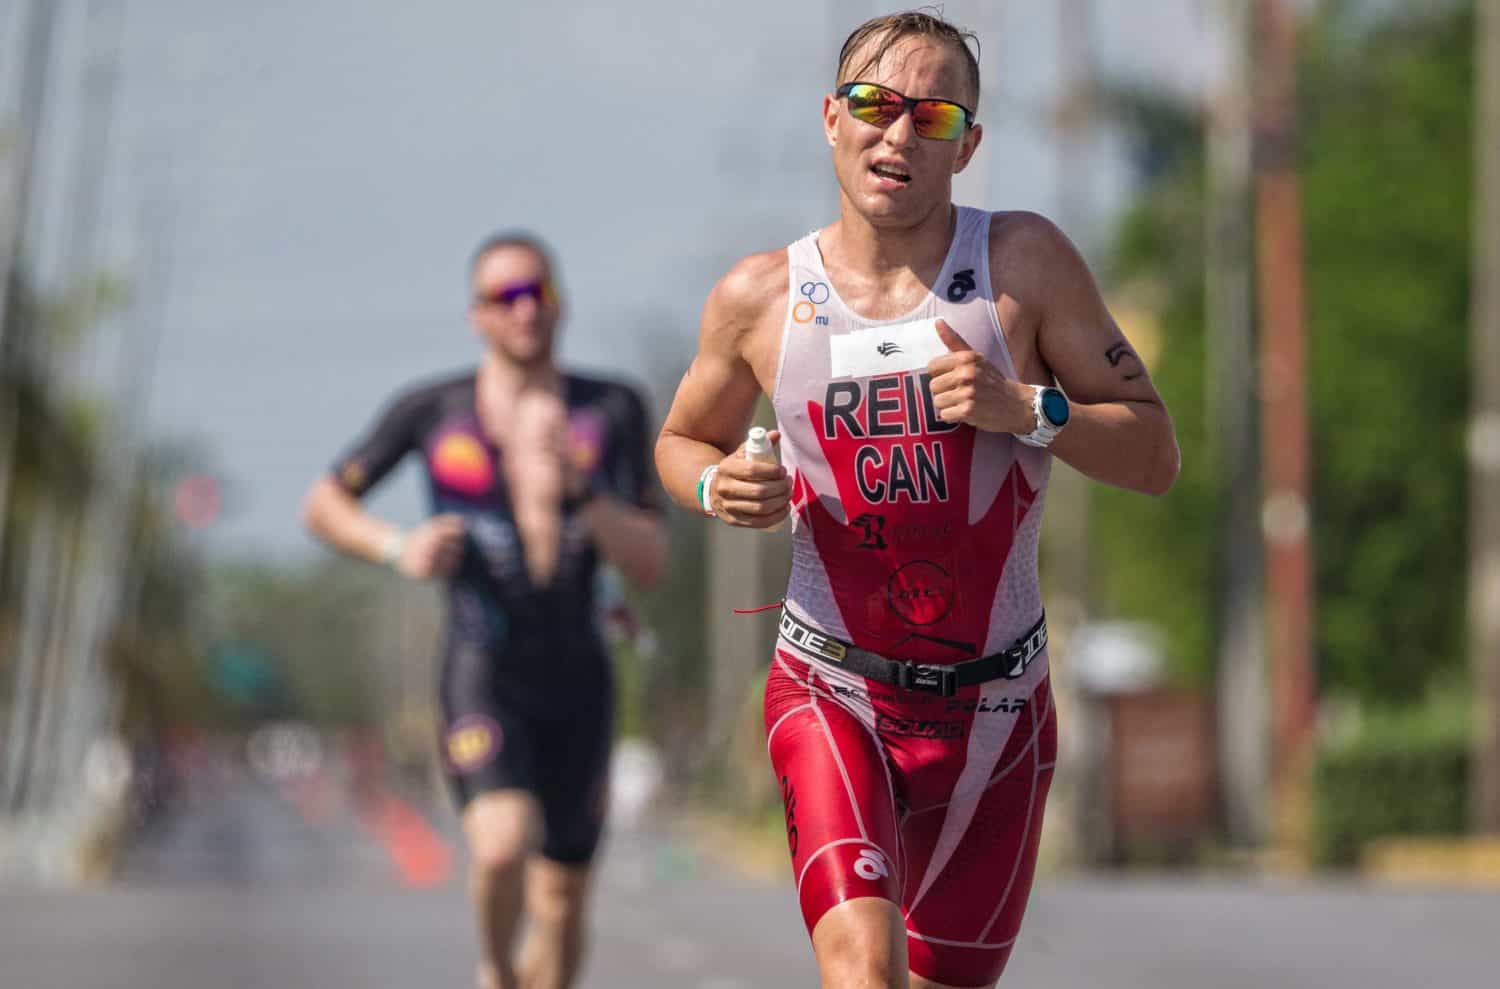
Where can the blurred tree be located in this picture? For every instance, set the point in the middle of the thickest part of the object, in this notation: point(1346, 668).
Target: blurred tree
point(57, 470)
point(308, 642)
point(1386, 150)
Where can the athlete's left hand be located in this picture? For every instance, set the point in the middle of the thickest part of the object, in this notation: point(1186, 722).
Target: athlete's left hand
point(969, 389)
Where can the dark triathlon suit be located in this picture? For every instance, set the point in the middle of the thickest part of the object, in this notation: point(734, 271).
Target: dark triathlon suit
point(526, 686)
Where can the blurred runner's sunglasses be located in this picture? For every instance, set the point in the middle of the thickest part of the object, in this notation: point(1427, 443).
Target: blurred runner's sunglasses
point(538, 290)
point(941, 120)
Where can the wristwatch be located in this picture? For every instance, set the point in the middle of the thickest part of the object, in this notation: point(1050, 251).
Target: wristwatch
point(1050, 406)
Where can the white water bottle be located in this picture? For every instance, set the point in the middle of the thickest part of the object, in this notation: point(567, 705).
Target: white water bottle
point(758, 447)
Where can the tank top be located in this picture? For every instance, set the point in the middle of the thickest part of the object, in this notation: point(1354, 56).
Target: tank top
point(911, 537)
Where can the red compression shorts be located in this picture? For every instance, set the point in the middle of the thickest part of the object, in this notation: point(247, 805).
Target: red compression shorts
point(934, 803)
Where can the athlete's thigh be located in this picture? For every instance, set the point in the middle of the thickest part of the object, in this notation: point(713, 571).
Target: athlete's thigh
point(972, 857)
point(837, 790)
point(487, 745)
point(572, 761)
point(501, 828)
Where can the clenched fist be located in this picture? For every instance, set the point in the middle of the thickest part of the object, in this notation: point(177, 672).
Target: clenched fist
point(750, 493)
point(433, 549)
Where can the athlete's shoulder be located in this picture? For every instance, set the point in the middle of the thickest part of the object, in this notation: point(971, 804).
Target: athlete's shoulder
point(1024, 231)
point(1033, 258)
point(753, 286)
point(609, 392)
point(439, 389)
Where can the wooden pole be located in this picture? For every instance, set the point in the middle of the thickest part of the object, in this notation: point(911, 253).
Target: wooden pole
point(1285, 445)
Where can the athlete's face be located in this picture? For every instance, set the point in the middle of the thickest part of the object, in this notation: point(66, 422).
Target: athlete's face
point(891, 175)
point(515, 307)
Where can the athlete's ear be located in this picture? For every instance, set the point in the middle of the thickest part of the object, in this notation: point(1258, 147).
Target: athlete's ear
point(831, 119)
point(970, 141)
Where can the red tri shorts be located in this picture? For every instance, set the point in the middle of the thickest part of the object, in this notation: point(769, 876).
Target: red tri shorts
point(934, 803)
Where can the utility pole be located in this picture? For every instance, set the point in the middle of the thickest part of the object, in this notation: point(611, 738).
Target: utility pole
point(1230, 384)
point(1285, 445)
point(70, 642)
point(1484, 434)
point(16, 192)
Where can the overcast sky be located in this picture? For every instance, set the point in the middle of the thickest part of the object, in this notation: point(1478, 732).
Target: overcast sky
point(329, 164)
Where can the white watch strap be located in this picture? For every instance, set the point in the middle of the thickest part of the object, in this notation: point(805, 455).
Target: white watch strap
point(1044, 432)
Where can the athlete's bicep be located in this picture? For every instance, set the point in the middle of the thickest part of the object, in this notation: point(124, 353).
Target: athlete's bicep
point(1077, 338)
point(715, 402)
point(716, 398)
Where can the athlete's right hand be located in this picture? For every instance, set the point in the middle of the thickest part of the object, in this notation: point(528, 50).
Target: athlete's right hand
point(434, 548)
point(750, 493)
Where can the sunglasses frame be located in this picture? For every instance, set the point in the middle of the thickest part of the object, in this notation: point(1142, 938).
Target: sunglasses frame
point(540, 290)
point(908, 105)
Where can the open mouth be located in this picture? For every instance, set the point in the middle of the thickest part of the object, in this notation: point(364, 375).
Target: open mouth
point(890, 173)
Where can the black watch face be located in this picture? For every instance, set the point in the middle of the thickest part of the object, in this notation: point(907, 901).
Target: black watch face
point(1055, 407)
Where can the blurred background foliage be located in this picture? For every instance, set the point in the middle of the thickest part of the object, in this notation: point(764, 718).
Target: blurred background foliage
point(1387, 156)
point(1386, 148)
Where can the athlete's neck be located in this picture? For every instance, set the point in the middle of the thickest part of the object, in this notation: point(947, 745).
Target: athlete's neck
point(879, 250)
point(502, 381)
point(501, 376)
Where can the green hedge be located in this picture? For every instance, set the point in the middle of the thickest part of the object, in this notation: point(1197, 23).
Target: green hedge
point(1394, 775)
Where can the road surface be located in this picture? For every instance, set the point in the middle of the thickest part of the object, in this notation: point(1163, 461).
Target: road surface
point(247, 889)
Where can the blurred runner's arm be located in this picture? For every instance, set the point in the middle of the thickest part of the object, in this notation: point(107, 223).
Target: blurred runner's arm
point(717, 397)
point(432, 549)
point(632, 538)
point(331, 510)
point(336, 517)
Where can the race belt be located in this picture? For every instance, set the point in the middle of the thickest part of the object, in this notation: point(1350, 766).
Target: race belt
point(926, 678)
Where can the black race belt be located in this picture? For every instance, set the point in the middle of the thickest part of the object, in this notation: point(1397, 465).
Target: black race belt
point(926, 678)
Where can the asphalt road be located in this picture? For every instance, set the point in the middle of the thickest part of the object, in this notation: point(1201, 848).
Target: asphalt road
point(245, 888)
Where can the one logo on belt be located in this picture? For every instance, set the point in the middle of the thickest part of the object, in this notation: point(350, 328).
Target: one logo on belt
point(963, 283)
point(1027, 651)
point(815, 642)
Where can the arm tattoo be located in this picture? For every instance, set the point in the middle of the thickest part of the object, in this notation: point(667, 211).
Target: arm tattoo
point(1120, 352)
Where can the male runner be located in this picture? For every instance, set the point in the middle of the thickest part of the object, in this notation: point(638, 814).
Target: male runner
point(909, 715)
point(534, 474)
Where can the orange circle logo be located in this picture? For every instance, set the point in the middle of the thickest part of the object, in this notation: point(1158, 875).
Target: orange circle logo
point(803, 312)
point(461, 463)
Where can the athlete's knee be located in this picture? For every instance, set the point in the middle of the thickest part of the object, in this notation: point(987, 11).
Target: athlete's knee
point(557, 894)
point(862, 943)
point(502, 834)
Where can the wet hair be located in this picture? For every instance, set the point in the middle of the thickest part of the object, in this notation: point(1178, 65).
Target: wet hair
point(889, 30)
point(512, 238)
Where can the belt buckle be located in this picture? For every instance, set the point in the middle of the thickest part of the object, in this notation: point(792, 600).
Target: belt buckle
point(928, 679)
